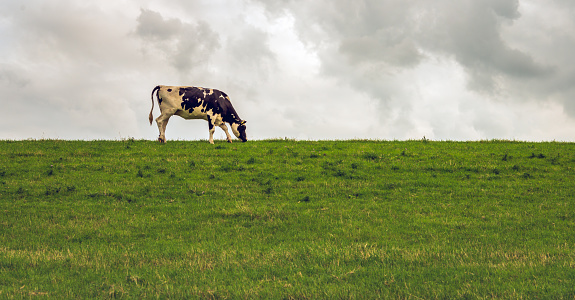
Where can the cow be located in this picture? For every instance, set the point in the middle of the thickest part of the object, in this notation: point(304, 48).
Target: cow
point(197, 103)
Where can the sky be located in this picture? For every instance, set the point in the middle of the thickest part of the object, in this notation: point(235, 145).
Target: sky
point(305, 70)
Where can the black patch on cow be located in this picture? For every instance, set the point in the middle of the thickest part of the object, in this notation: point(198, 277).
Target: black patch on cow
point(159, 100)
point(242, 131)
point(191, 98)
point(210, 123)
point(169, 90)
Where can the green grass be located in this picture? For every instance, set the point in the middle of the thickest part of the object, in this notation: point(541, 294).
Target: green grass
point(287, 219)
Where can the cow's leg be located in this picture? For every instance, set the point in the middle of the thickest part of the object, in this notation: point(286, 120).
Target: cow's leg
point(162, 122)
point(225, 128)
point(164, 125)
point(212, 129)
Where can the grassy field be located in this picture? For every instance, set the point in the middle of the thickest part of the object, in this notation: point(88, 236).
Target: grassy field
point(287, 219)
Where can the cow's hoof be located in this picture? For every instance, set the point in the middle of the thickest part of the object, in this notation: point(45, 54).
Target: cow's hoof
point(230, 141)
point(161, 140)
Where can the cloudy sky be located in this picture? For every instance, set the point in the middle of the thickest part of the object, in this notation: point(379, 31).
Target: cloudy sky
point(318, 69)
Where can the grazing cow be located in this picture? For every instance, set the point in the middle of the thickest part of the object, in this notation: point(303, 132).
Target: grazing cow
point(197, 103)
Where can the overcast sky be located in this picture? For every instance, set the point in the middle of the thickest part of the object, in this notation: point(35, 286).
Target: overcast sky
point(318, 69)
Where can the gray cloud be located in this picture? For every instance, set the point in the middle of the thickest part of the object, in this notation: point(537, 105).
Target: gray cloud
point(250, 49)
point(64, 61)
point(473, 35)
point(395, 33)
point(11, 78)
point(184, 45)
point(370, 44)
point(152, 25)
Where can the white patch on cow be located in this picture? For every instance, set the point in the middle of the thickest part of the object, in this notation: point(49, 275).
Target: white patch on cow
point(235, 129)
point(195, 114)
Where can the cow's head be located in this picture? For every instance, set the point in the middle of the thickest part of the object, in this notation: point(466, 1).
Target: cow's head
point(239, 130)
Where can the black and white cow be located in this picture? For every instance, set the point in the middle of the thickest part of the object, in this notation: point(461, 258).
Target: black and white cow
point(197, 103)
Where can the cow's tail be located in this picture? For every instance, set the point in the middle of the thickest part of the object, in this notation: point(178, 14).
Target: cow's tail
point(151, 117)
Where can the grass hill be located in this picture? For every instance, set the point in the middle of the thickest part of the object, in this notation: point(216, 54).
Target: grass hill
point(287, 219)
